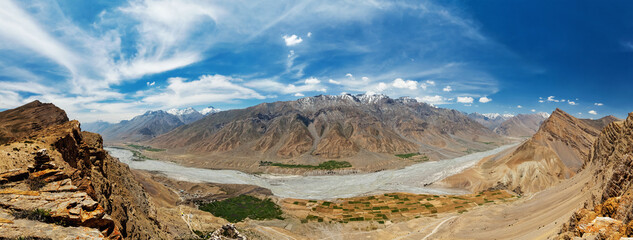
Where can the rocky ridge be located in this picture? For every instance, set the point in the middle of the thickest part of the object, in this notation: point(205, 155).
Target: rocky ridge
point(557, 151)
point(609, 213)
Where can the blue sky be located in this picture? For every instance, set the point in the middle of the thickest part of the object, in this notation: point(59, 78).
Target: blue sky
point(112, 60)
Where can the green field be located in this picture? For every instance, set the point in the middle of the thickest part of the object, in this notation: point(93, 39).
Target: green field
point(241, 207)
point(145, 148)
point(329, 165)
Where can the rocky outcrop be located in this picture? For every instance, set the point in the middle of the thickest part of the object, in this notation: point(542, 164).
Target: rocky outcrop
point(316, 128)
point(18, 123)
point(74, 181)
point(608, 215)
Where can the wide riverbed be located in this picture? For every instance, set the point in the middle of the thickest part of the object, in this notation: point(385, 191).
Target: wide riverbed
point(410, 179)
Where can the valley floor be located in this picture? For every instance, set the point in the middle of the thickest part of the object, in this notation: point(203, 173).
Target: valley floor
point(537, 216)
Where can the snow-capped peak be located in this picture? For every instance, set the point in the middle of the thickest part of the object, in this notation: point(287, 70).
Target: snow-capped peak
point(491, 115)
point(507, 115)
point(209, 110)
point(181, 112)
point(543, 114)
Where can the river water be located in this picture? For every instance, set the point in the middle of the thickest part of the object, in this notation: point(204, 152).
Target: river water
point(410, 179)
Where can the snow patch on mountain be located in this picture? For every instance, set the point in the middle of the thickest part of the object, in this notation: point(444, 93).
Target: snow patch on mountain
point(210, 110)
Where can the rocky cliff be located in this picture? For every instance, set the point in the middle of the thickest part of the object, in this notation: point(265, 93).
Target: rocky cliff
point(557, 151)
point(60, 178)
point(608, 215)
point(326, 127)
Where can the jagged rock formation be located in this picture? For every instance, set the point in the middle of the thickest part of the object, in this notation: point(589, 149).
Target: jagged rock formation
point(557, 151)
point(522, 125)
point(608, 215)
point(332, 127)
point(17, 123)
point(75, 179)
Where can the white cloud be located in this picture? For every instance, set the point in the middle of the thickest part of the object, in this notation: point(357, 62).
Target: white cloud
point(309, 34)
point(437, 99)
point(572, 103)
point(334, 82)
point(312, 81)
point(381, 87)
point(447, 89)
point(206, 89)
point(299, 95)
point(410, 84)
point(552, 99)
point(292, 40)
point(598, 104)
point(592, 112)
point(149, 84)
point(465, 99)
point(541, 101)
point(519, 106)
point(484, 99)
point(427, 83)
point(533, 110)
point(268, 85)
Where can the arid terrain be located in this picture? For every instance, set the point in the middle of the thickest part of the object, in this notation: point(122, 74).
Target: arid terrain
point(58, 182)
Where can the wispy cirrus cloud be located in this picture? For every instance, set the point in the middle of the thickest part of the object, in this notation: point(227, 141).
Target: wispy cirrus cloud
point(180, 48)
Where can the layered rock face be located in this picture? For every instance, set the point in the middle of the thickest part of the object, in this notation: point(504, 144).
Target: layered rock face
point(332, 127)
point(609, 214)
point(63, 176)
point(557, 151)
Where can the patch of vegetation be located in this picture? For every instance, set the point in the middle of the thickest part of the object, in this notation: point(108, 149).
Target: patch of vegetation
point(407, 155)
point(238, 208)
point(138, 156)
point(42, 215)
point(16, 149)
point(35, 183)
point(146, 148)
point(329, 165)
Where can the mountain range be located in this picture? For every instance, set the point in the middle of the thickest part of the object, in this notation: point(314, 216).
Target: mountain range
point(329, 127)
point(522, 125)
point(148, 125)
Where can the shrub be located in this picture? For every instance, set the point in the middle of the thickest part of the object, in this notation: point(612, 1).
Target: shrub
point(42, 215)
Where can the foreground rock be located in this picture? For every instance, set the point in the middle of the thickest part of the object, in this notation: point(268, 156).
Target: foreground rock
point(608, 214)
point(73, 183)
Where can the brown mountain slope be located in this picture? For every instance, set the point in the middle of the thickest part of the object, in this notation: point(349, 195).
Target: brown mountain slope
point(602, 122)
point(77, 180)
point(557, 151)
point(325, 127)
point(609, 212)
point(522, 125)
point(19, 122)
